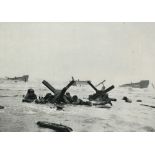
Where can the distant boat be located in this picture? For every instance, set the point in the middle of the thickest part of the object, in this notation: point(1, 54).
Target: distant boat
point(141, 84)
point(22, 78)
point(79, 82)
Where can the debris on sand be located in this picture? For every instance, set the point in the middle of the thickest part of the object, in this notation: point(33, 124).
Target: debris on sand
point(1, 107)
point(59, 107)
point(151, 106)
point(54, 126)
point(126, 99)
point(103, 106)
point(149, 129)
point(139, 100)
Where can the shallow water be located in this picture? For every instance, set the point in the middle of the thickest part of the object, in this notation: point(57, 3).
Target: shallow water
point(18, 116)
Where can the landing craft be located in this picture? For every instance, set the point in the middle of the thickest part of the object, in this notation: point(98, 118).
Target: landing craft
point(22, 78)
point(141, 84)
point(79, 82)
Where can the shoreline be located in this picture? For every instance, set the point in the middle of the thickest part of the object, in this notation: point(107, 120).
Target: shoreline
point(122, 117)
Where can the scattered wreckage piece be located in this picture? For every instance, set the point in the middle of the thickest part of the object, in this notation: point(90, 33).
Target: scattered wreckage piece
point(41, 100)
point(86, 103)
point(103, 106)
point(139, 100)
point(59, 107)
point(78, 101)
point(126, 99)
point(1, 107)
point(54, 126)
point(151, 106)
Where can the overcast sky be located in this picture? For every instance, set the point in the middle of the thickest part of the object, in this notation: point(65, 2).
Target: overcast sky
point(117, 52)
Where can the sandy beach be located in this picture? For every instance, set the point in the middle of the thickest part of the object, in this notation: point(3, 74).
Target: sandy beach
point(125, 117)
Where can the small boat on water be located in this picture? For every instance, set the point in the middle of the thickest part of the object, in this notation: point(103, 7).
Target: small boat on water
point(141, 84)
point(79, 82)
point(22, 78)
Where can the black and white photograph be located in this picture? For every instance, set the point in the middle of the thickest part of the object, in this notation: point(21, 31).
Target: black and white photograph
point(77, 77)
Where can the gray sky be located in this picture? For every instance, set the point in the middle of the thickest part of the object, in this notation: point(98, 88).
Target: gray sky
point(117, 52)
